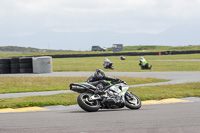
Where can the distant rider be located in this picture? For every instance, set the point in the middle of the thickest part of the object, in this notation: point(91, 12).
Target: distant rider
point(99, 80)
point(144, 64)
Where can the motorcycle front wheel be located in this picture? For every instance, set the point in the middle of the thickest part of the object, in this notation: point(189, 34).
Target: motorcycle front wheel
point(86, 104)
point(132, 101)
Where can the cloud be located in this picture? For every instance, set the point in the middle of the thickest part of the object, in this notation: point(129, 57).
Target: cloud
point(150, 16)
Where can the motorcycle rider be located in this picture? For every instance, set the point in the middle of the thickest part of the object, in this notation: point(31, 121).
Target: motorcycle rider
point(144, 64)
point(108, 64)
point(99, 80)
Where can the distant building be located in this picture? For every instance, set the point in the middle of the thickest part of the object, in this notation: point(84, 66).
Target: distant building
point(98, 48)
point(117, 47)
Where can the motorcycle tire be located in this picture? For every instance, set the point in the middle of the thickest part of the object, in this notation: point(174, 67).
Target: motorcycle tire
point(85, 104)
point(129, 103)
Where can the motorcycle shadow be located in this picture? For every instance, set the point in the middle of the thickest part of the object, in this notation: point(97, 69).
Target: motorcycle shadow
point(102, 110)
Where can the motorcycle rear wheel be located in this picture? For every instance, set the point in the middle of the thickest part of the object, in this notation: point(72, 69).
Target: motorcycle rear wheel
point(132, 101)
point(86, 104)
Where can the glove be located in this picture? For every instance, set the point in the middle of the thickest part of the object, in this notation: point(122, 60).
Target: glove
point(117, 79)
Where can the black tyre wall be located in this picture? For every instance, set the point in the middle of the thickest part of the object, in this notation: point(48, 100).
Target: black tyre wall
point(4, 61)
point(14, 60)
point(25, 60)
point(14, 66)
point(4, 71)
point(26, 70)
point(4, 66)
point(25, 65)
point(15, 71)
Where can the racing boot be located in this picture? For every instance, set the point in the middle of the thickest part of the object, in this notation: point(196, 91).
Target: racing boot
point(150, 67)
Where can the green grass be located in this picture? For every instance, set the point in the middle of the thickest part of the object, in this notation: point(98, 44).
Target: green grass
point(59, 99)
point(7, 54)
point(144, 93)
point(32, 84)
point(128, 65)
point(161, 48)
point(167, 91)
point(140, 48)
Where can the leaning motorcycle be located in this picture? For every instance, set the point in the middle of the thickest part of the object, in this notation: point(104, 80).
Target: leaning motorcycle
point(116, 95)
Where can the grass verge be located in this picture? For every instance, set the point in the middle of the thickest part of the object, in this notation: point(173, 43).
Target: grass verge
point(33, 84)
point(144, 93)
point(167, 91)
point(40, 101)
point(128, 65)
point(139, 48)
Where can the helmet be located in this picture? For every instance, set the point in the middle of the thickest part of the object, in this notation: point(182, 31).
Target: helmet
point(141, 58)
point(122, 58)
point(99, 73)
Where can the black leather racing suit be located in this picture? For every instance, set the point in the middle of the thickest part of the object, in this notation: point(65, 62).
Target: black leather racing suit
point(99, 82)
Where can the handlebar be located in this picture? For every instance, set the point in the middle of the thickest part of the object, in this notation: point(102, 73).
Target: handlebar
point(116, 81)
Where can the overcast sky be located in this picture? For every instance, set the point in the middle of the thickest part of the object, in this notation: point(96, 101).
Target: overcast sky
point(21, 18)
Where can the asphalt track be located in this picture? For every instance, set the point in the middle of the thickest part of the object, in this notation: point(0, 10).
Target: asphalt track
point(163, 118)
point(159, 118)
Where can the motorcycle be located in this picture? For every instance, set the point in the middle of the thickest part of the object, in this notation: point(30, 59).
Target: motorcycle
point(144, 64)
point(108, 64)
point(146, 67)
point(116, 95)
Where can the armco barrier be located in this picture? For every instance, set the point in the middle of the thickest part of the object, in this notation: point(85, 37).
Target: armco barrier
point(125, 54)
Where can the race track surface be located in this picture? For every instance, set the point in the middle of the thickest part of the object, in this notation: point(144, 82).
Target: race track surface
point(154, 118)
point(163, 118)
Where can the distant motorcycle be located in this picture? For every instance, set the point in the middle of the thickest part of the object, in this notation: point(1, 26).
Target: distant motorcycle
point(144, 64)
point(116, 96)
point(108, 64)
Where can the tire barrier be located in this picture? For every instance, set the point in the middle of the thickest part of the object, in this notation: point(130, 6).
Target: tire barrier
point(25, 60)
point(25, 65)
point(126, 54)
point(26, 70)
point(4, 71)
point(4, 66)
point(14, 65)
point(14, 60)
point(15, 70)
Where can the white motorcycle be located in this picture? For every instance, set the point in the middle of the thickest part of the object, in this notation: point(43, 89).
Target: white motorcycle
point(116, 96)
